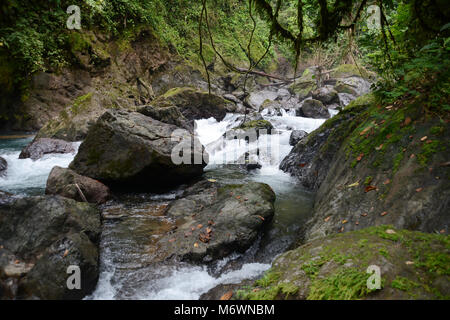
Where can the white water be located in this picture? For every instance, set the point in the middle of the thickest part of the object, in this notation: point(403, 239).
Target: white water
point(24, 176)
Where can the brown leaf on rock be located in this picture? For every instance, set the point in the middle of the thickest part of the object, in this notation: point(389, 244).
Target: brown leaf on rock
point(302, 165)
point(387, 181)
point(172, 240)
point(379, 147)
point(384, 213)
point(262, 218)
point(199, 226)
point(65, 253)
point(208, 230)
point(227, 295)
point(211, 223)
point(364, 214)
point(327, 219)
point(196, 245)
point(419, 189)
point(370, 188)
point(361, 155)
point(423, 138)
point(344, 221)
point(407, 121)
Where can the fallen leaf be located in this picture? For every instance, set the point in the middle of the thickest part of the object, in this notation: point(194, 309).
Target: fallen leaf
point(389, 136)
point(65, 253)
point(429, 141)
point(384, 213)
point(16, 261)
point(423, 138)
point(193, 228)
point(256, 289)
point(409, 262)
point(390, 231)
point(262, 218)
point(204, 237)
point(387, 181)
point(442, 231)
point(353, 184)
point(389, 107)
point(361, 155)
point(302, 165)
point(364, 131)
point(407, 121)
point(188, 234)
point(419, 189)
point(212, 180)
point(172, 240)
point(357, 223)
point(199, 226)
point(370, 188)
point(342, 229)
point(379, 147)
point(227, 296)
point(411, 137)
point(208, 230)
point(364, 214)
point(412, 156)
point(238, 197)
point(344, 221)
point(196, 245)
point(327, 219)
point(211, 223)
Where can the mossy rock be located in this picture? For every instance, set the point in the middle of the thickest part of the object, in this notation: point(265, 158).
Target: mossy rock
point(256, 124)
point(348, 70)
point(413, 265)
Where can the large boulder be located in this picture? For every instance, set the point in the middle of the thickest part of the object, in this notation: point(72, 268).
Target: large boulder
point(69, 184)
point(296, 136)
point(3, 166)
point(327, 95)
point(216, 220)
point(195, 104)
point(312, 108)
point(40, 238)
point(169, 114)
point(305, 85)
point(412, 265)
point(128, 149)
point(41, 146)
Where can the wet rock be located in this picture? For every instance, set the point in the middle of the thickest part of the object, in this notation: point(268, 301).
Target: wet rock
point(327, 95)
point(41, 146)
point(169, 114)
point(250, 130)
point(41, 237)
point(271, 108)
point(128, 149)
point(348, 70)
point(296, 136)
point(195, 104)
point(3, 167)
point(5, 197)
point(67, 183)
point(335, 267)
point(231, 98)
point(216, 220)
point(313, 109)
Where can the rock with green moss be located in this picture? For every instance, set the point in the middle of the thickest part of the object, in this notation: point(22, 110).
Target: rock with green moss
point(412, 265)
point(168, 114)
point(128, 149)
point(348, 70)
point(367, 140)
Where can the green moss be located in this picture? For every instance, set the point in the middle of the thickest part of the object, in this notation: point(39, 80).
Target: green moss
point(256, 124)
point(348, 70)
point(81, 103)
point(368, 180)
point(428, 150)
point(347, 284)
point(404, 284)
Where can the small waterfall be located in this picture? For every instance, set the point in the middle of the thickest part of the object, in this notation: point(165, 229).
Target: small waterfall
point(25, 176)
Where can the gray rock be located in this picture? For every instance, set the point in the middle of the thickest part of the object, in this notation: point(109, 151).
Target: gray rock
point(170, 114)
point(232, 98)
point(221, 219)
point(65, 182)
point(128, 149)
point(296, 136)
point(41, 146)
point(327, 95)
point(313, 109)
point(3, 167)
point(42, 236)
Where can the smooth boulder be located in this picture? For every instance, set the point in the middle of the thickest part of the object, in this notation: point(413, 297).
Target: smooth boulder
point(312, 108)
point(216, 220)
point(69, 184)
point(296, 136)
point(128, 149)
point(41, 146)
point(170, 114)
point(40, 238)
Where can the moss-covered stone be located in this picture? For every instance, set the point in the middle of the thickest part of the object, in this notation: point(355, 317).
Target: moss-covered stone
point(335, 267)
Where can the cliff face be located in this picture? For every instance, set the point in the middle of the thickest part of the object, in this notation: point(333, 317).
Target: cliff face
point(373, 165)
point(103, 76)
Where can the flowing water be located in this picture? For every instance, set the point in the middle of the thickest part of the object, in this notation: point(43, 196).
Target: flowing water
point(133, 223)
